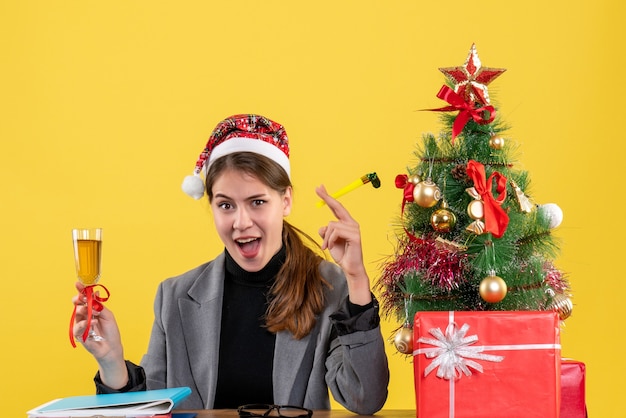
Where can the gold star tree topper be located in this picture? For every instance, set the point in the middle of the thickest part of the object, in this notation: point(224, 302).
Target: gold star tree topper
point(471, 79)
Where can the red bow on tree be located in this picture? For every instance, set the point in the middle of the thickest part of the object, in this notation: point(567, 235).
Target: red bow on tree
point(466, 110)
point(402, 182)
point(496, 218)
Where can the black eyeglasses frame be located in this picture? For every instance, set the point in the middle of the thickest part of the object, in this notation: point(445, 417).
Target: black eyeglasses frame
point(243, 413)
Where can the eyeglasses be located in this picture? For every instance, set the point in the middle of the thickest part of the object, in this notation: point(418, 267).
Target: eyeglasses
point(263, 410)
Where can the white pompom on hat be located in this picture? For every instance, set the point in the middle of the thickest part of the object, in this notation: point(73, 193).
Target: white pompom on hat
point(240, 133)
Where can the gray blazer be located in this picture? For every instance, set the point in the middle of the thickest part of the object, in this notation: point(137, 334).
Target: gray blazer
point(184, 346)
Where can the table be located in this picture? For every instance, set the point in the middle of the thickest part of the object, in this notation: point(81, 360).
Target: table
point(385, 413)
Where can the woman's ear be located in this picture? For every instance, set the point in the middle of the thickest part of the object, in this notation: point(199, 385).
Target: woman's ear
point(287, 201)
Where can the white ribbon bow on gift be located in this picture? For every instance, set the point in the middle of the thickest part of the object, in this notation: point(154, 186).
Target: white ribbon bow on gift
point(454, 354)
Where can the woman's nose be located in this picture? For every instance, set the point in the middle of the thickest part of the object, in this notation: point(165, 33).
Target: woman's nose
point(242, 220)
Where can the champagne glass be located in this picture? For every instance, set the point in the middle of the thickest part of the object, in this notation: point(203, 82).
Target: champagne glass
point(87, 255)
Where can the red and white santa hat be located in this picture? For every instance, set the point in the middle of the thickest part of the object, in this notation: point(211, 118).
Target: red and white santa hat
point(240, 133)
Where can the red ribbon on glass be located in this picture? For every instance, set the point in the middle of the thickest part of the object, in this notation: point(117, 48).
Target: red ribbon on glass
point(94, 303)
point(466, 110)
point(496, 218)
point(402, 182)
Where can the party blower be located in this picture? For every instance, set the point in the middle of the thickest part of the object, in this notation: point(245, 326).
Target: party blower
point(367, 178)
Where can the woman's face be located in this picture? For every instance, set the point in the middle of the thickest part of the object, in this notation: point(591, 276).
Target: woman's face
point(248, 216)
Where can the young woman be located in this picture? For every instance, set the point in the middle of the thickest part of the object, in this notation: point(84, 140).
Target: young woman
point(268, 320)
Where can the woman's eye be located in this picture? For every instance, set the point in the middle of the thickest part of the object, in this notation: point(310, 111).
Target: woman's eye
point(258, 202)
point(224, 205)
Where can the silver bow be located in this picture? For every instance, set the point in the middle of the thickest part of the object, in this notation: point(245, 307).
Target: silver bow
point(453, 355)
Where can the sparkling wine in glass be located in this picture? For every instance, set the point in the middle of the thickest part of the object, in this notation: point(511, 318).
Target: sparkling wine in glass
point(87, 255)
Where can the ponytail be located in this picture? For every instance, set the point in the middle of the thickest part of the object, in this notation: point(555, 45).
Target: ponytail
point(297, 296)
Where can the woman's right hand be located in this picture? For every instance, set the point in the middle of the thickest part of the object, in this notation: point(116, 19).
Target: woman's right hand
point(109, 353)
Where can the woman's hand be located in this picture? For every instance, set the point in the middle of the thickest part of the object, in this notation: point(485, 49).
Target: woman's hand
point(109, 353)
point(342, 238)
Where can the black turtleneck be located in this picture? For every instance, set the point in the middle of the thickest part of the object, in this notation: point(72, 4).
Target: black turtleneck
point(246, 347)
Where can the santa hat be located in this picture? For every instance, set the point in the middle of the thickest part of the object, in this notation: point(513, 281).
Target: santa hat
point(240, 133)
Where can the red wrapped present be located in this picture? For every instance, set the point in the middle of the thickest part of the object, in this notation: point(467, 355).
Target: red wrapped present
point(573, 389)
point(475, 364)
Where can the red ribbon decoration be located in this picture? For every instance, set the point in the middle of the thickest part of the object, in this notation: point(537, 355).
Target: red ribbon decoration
point(94, 303)
point(496, 218)
point(466, 110)
point(402, 182)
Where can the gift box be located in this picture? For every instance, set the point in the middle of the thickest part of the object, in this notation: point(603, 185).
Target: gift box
point(475, 364)
point(573, 389)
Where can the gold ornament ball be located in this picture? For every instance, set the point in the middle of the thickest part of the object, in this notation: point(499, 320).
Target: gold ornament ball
point(415, 179)
point(426, 194)
point(404, 340)
point(562, 305)
point(492, 289)
point(442, 220)
point(496, 142)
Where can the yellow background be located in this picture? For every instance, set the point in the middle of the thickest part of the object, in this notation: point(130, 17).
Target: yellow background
point(105, 106)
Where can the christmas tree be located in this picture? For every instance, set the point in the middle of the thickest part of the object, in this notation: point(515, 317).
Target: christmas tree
point(470, 236)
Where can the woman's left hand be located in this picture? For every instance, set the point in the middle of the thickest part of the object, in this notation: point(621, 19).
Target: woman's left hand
point(342, 238)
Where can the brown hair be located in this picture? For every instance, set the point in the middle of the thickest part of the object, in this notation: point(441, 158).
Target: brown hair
point(297, 295)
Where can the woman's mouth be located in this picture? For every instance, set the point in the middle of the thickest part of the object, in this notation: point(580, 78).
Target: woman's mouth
point(249, 247)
